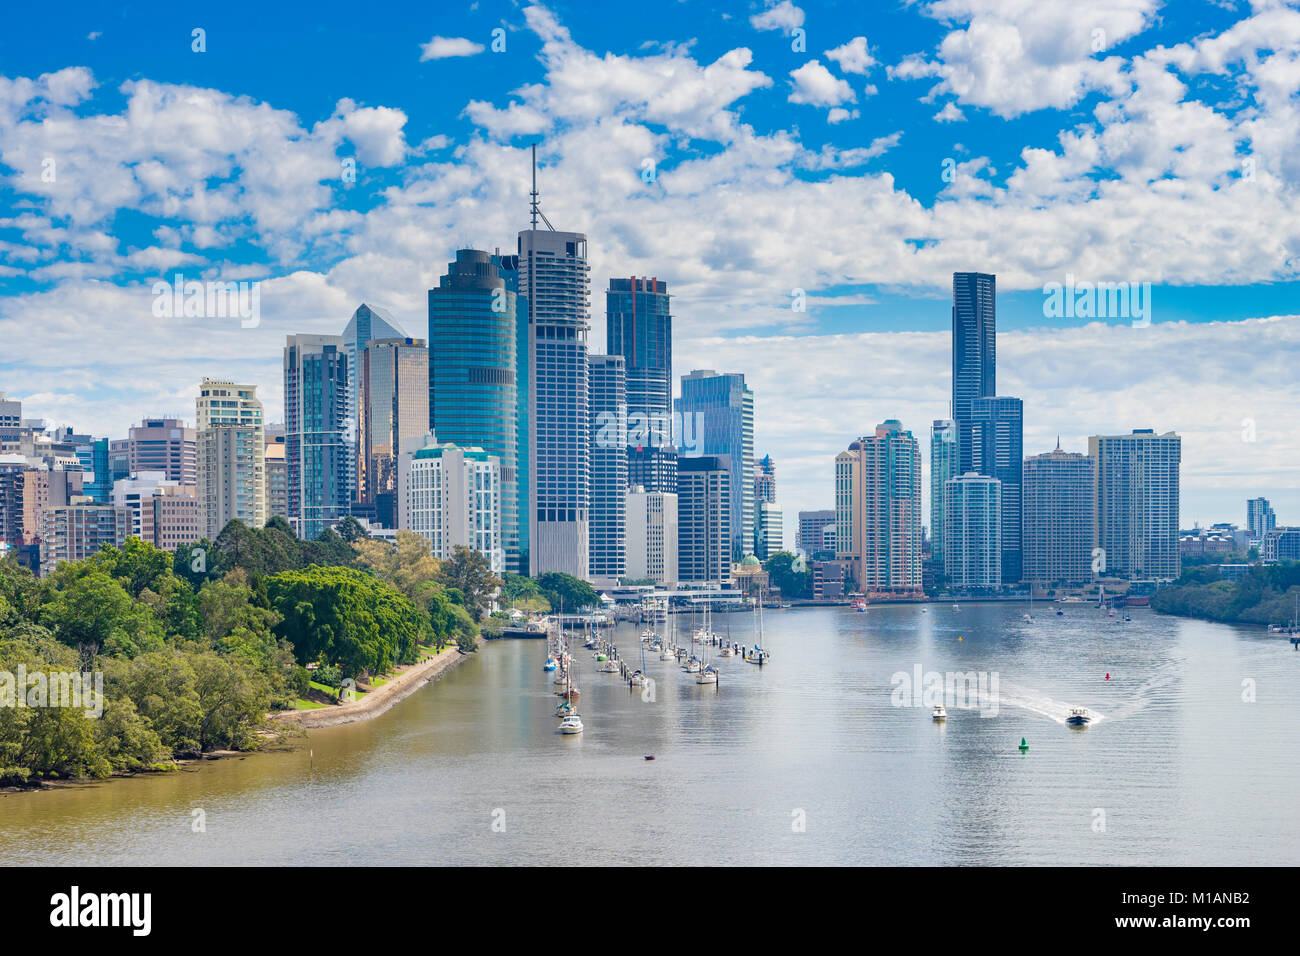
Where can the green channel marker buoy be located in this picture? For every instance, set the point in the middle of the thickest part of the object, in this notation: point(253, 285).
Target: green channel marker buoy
point(1023, 746)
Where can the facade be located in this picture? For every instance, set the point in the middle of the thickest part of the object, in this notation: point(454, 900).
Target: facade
point(75, 531)
point(974, 336)
point(943, 465)
point(167, 445)
point(972, 531)
point(163, 512)
point(831, 580)
point(452, 496)
point(393, 407)
point(475, 381)
point(718, 411)
point(878, 510)
point(990, 435)
point(639, 327)
point(1137, 494)
point(652, 542)
point(609, 483)
point(277, 473)
point(810, 536)
point(366, 325)
point(769, 529)
point(704, 517)
point(1260, 519)
point(1280, 544)
point(554, 277)
point(231, 463)
point(318, 411)
point(1059, 514)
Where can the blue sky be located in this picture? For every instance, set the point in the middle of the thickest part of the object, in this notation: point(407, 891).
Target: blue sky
point(860, 153)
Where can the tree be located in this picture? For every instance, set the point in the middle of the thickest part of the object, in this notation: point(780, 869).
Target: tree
point(468, 571)
point(566, 592)
point(90, 611)
point(791, 583)
point(350, 530)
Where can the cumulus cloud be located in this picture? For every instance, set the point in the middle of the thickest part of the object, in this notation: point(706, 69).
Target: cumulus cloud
point(814, 85)
point(440, 48)
point(783, 16)
point(853, 57)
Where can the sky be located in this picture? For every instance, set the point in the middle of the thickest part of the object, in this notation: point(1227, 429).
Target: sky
point(805, 177)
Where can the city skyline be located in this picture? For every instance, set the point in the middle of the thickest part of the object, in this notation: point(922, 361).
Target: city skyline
point(1221, 337)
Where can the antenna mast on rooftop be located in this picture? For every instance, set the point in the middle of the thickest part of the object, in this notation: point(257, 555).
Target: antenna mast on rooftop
point(535, 206)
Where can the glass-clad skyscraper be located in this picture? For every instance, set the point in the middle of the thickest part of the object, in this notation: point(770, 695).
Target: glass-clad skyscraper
point(639, 327)
point(474, 374)
point(717, 415)
point(609, 485)
point(317, 402)
point(943, 465)
point(393, 410)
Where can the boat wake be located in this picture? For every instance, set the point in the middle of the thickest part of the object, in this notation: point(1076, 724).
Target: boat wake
point(1034, 702)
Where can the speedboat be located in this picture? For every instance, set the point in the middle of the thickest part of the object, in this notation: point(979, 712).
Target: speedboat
point(709, 675)
point(938, 713)
point(571, 724)
point(1079, 717)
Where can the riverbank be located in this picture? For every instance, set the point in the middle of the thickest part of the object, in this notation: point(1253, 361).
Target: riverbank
point(401, 686)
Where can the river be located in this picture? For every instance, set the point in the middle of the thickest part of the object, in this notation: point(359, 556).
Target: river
point(806, 760)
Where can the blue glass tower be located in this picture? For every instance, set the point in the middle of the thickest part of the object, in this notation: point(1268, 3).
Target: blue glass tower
point(317, 408)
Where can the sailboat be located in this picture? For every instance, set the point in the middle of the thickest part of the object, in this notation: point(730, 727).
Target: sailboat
point(706, 673)
point(638, 678)
point(756, 654)
point(1029, 616)
point(668, 652)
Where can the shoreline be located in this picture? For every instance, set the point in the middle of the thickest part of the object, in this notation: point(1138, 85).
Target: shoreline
point(376, 701)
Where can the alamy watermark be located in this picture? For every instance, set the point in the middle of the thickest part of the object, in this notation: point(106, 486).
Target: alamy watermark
point(972, 690)
point(1098, 300)
point(648, 429)
point(208, 300)
point(24, 688)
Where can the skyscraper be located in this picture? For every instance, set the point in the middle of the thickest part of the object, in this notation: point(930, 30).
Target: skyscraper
point(717, 410)
point(393, 405)
point(651, 548)
point(704, 519)
point(231, 464)
point(990, 435)
point(972, 553)
point(451, 496)
point(317, 403)
point(367, 324)
point(553, 275)
point(477, 377)
point(974, 336)
point(608, 395)
point(639, 327)
point(878, 509)
point(1260, 518)
point(769, 517)
point(1137, 495)
point(1059, 513)
point(812, 530)
point(943, 465)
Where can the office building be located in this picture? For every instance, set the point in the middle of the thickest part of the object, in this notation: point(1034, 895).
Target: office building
point(810, 536)
point(639, 327)
point(717, 411)
point(704, 517)
point(943, 465)
point(651, 536)
point(393, 406)
point(167, 445)
point(317, 390)
point(75, 531)
point(607, 378)
point(990, 435)
point(452, 496)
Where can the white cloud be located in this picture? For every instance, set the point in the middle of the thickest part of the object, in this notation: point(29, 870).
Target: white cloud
point(814, 85)
point(783, 16)
point(853, 57)
point(440, 48)
point(950, 114)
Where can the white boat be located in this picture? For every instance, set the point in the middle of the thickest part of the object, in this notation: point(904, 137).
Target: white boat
point(727, 651)
point(756, 655)
point(1079, 717)
point(692, 666)
point(571, 724)
point(637, 680)
point(608, 667)
point(939, 713)
point(707, 675)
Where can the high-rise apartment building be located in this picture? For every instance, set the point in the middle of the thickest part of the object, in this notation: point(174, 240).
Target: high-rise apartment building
point(554, 277)
point(476, 372)
point(972, 549)
point(1137, 494)
point(704, 516)
point(452, 496)
point(75, 531)
point(974, 336)
point(1058, 519)
point(943, 465)
point(277, 472)
point(231, 469)
point(609, 484)
point(718, 413)
point(1260, 519)
point(317, 422)
point(878, 509)
point(990, 434)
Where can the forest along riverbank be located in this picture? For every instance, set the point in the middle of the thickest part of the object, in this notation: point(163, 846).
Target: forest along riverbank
point(378, 700)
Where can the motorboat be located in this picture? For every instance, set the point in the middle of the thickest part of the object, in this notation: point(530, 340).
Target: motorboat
point(938, 713)
point(572, 724)
point(1079, 717)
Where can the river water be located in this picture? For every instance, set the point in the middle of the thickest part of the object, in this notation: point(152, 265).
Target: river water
point(806, 760)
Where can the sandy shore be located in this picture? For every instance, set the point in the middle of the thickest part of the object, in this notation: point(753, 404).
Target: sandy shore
point(405, 683)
